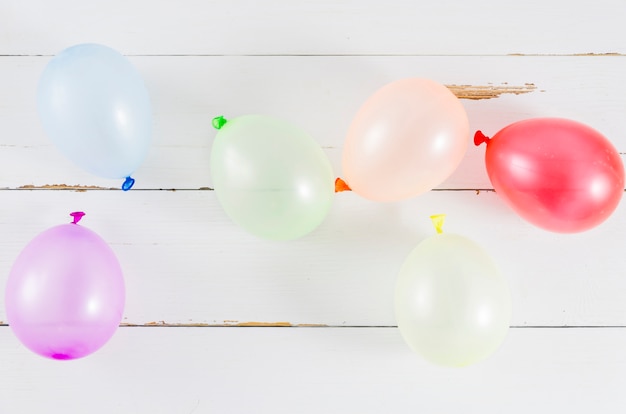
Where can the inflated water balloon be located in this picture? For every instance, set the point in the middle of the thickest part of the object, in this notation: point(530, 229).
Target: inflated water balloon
point(270, 177)
point(558, 174)
point(452, 304)
point(405, 140)
point(65, 294)
point(95, 108)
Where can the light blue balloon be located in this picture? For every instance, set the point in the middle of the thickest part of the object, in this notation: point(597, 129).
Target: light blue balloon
point(95, 108)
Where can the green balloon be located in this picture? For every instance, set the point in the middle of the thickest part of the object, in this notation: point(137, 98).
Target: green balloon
point(270, 177)
point(453, 306)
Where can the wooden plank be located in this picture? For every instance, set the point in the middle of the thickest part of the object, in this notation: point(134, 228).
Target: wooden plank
point(185, 262)
point(311, 370)
point(319, 94)
point(242, 27)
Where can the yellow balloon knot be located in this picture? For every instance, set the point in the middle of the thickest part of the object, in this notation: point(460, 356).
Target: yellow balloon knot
point(438, 220)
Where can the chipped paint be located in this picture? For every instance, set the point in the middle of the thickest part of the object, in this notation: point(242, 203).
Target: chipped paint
point(229, 322)
point(477, 92)
point(77, 187)
point(160, 323)
point(264, 324)
point(599, 54)
point(226, 323)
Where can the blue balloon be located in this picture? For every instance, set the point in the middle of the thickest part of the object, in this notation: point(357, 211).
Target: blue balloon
point(95, 108)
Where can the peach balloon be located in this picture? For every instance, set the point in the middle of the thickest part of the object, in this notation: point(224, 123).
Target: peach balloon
point(405, 140)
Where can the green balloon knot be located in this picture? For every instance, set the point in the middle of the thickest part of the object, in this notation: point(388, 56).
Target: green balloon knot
point(218, 122)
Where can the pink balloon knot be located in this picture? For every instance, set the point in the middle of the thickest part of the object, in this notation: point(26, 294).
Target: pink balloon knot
point(480, 138)
point(77, 216)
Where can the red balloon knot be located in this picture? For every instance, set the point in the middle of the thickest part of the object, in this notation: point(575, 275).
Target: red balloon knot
point(480, 138)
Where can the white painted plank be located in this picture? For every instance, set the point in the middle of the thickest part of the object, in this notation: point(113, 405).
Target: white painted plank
point(312, 370)
point(185, 262)
point(319, 94)
point(244, 27)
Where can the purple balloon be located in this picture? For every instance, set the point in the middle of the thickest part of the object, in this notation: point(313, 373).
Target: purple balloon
point(65, 294)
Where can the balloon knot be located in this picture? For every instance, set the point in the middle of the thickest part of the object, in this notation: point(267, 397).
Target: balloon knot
point(218, 122)
point(77, 215)
point(128, 183)
point(438, 220)
point(341, 185)
point(480, 138)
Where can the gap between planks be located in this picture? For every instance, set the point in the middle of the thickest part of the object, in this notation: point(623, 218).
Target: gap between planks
point(84, 188)
point(280, 324)
point(236, 324)
point(434, 55)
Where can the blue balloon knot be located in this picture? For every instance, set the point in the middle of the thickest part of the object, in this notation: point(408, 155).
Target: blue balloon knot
point(128, 183)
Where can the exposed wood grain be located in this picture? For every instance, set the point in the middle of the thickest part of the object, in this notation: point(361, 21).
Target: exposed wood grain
point(75, 187)
point(265, 324)
point(477, 92)
point(226, 323)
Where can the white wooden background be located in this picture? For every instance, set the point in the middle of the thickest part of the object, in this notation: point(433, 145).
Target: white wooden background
point(218, 321)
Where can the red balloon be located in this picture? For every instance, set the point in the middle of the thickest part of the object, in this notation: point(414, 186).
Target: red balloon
point(558, 174)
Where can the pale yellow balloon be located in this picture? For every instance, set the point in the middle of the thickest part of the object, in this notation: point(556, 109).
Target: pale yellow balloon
point(452, 304)
point(405, 140)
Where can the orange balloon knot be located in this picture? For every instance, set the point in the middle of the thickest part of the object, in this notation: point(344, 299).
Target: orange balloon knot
point(480, 138)
point(341, 185)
